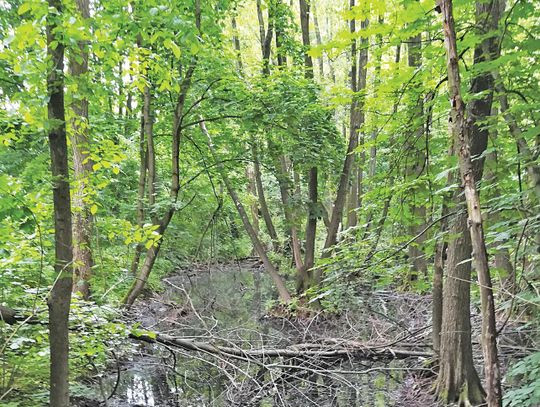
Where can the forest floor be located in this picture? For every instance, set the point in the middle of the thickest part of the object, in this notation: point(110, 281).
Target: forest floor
point(216, 304)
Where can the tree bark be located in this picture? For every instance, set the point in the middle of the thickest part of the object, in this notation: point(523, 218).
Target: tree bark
point(60, 296)
point(82, 168)
point(457, 370)
point(272, 271)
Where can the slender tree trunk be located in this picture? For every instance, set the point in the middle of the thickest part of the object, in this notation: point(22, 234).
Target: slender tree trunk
point(468, 135)
point(60, 296)
point(265, 212)
point(151, 254)
point(357, 118)
point(282, 170)
point(250, 171)
point(150, 152)
point(440, 252)
point(143, 160)
point(236, 44)
point(272, 271)
point(311, 224)
point(318, 37)
point(284, 183)
point(82, 168)
point(416, 254)
point(178, 116)
point(265, 37)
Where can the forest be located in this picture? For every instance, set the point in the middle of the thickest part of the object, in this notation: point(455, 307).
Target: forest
point(264, 203)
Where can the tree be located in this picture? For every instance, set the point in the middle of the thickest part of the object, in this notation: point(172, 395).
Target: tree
point(163, 222)
point(60, 297)
point(82, 166)
point(358, 83)
point(456, 366)
point(311, 224)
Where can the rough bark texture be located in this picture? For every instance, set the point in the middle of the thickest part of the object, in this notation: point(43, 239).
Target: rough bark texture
point(439, 264)
point(457, 377)
point(82, 168)
point(272, 271)
point(60, 297)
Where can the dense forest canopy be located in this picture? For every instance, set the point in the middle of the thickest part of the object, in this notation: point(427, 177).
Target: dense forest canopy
point(351, 149)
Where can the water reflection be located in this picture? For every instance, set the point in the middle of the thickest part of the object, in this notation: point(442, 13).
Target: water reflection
point(214, 304)
point(140, 391)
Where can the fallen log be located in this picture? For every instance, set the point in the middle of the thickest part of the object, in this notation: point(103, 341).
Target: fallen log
point(348, 349)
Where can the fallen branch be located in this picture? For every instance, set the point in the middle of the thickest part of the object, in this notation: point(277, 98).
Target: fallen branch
point(347, 349)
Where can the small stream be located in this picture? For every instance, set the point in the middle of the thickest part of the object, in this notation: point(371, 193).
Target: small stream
point(218, 304)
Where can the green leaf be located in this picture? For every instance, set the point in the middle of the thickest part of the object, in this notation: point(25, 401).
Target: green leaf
point(23, 8)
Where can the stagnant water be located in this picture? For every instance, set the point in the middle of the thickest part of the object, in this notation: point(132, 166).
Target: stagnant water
point(218, 304)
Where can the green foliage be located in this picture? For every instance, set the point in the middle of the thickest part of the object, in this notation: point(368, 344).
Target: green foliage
point(304, 122)
point(526, 376)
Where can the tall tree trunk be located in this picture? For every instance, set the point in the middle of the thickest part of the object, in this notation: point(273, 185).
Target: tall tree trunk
point(272, 271)
point(143, 160)
point(357, 119)
point(311, 224)
point(282, 167)
point(163, 223)
point(438, 268)
point(417, 144)
point(82, 168)
point(265, 36)
point(250, 171)
point(457, 377)
point(60, 296)
point(178, 116)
